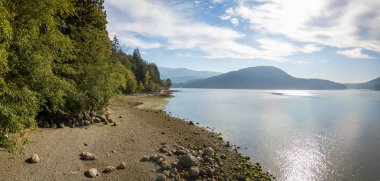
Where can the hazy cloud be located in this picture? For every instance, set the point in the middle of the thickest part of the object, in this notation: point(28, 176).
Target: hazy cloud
point(158, 24)
point(353, 53)
point(335, 23)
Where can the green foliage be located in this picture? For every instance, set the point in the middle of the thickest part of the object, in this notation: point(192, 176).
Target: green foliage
point(252, 171)
point(57, 61)
point(131, 86)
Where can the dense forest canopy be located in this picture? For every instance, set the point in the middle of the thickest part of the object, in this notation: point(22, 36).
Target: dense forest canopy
point(56, 62)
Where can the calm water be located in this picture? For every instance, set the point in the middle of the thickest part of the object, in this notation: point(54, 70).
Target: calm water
point(296, 135)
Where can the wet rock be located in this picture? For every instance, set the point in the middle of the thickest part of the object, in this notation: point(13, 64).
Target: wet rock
point(161, 177)
point(228, 144)
point(209, 152)
point(34, 158)
point(88, 156)
point(92, 173)
point(109, 169)
point(194, 172)
point(122, 165)
point(188, 161)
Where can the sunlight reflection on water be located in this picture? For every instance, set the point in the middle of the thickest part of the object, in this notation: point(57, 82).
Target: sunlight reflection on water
point(296, 135)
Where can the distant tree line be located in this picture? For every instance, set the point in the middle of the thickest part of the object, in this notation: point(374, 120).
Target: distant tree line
point(56, 61)
point(141, 76)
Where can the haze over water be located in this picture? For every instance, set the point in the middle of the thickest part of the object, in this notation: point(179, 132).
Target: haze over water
point(296, 135)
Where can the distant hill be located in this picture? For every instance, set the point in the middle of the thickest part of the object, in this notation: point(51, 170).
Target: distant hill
point(262, 77)
point(181, 75)
point(372, 84)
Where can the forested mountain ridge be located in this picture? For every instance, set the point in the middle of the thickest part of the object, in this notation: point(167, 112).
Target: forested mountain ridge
point(57, 62)
point(262, 77)
point(181, 75)
point(372, 84)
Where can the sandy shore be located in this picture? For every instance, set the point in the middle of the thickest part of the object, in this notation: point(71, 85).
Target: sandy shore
point(138, 132)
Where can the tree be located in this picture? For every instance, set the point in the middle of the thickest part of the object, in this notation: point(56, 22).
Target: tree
point(141, 87)
point(131, 82)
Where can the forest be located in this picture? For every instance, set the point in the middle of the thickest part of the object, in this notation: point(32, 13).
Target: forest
point(57, 62)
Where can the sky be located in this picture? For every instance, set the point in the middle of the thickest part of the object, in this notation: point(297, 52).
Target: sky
point(338, 40)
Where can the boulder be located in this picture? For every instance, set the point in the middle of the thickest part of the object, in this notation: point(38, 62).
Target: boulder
point(194, 172)
point(92, 172)
point(163, 150)
point(87, 123)
point(109, 169)
point(180, 152)
point(223, 156)
point(97, 120)
point(165, 165)
point(88, 156)
point(145, 158)
point(209, 152)
point(61, 125)
point(54, 125)
point(161, 177)
point(122, 165)
point(187, 161)
point(34, 158)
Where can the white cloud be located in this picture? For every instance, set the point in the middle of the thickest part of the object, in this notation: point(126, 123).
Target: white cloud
point(234, 21)
point(131, 40)
point(335, 23)
point(217, 1)
point(171, 26)
point(353, 53)
point(310, 48)
point(225, 17)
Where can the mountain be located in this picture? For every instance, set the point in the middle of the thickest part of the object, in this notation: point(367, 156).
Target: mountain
point(262, 77)
point(372, 84)
point(181, 75)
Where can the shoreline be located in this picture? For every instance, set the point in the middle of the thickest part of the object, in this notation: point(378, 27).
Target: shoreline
point(139, 133)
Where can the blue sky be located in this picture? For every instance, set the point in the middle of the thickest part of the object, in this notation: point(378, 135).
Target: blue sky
point(337, 40)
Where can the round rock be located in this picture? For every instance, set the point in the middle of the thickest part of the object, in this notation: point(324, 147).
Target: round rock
point(161, 177)
point(194, 172)
point(122, 165)
point(92, 172)
point(188, 161)
point(208, 152)
point(34, 159)
point(88, 156)
point(109, 169)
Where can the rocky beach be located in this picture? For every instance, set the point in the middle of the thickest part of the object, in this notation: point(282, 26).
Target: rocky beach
point(143, 143)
